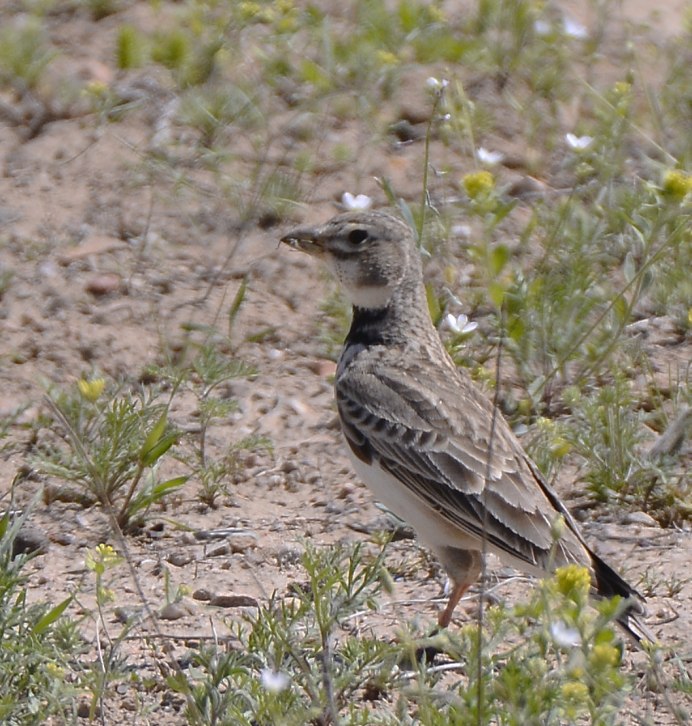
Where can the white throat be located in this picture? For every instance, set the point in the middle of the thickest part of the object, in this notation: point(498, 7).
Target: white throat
point(373, 297)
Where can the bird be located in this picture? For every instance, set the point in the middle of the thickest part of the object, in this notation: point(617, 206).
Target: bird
point(424, 438)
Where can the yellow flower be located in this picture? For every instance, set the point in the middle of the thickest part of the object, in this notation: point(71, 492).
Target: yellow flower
point(676, 184)
point(478, 184)
point(255, 12)
point(101, 557)
point(96, 88)
point(560, 447)
point(544, 424)
point(386, 58)
point(604, 655)
point(249, 9)
point(622, 88)
point(574, 691)
point(91, 390)
point(55, 670)
point(573, 581)
point(105, 594)
point(436, 14)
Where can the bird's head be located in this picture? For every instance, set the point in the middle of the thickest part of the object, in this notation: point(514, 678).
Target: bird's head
point(371, 254)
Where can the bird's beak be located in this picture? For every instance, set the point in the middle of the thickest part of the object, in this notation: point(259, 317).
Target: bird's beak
point(305, 239)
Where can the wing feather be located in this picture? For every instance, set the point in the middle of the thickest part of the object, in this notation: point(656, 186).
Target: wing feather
point(433, 437)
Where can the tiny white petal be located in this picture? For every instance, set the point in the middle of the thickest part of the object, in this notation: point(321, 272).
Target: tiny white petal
point(451, 323)
point(274, 681)
point(579, 143)
point(461, 230)
point(489, 157)
point(357, 202)
point(446, 117)
point(435, 84)
point(542, 27)
point(565, 636)
point(459, 324)
point(574, 29)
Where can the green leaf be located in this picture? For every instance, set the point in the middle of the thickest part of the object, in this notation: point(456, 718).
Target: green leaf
point(629, 268)
point(148, 458)
point(313, 74)
point(51, 616)
point(621, 310)
point(157, 492)
point(516, 327)
point(647, 279)
point(153, 439)
point(237, 302)
point(433, 304)
point(496, 292)
point(498, 259)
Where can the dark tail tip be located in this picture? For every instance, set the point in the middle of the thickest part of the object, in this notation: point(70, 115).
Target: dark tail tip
point(609, 584)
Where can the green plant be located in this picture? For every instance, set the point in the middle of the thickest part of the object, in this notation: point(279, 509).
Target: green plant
point(37, 643)
point(551, 659)
point(130, 48)
point(606, 430)
point(110, 446)
point(25, 52)
point(99, 676)
point(295, 664)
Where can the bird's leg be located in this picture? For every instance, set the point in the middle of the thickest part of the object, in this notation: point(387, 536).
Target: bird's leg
point(457, 593)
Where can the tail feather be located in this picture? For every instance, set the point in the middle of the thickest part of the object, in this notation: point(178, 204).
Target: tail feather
point(609, 584)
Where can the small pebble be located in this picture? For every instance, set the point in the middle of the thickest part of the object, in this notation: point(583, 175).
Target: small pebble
point(640, 518)
point(173, 611)
point(104, 284)
point(220, 551)
point(30, 540)
point(125, 615)
point(241, 544)
point(179, 559)
point(202, 594)
point(96, 245)
point(84, 710)
point(233, 601)
point(346, 491)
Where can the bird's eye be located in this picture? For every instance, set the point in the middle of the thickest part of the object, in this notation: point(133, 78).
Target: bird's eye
point(357, 236)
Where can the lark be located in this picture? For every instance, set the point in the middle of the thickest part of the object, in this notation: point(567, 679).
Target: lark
point(424, 438)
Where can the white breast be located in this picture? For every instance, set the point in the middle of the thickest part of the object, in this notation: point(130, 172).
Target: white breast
point(432, 529)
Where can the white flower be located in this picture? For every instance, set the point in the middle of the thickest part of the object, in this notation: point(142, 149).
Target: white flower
point(274, 681)
point(358, 202)
point(565, 636)
point(462, 230)
point(436, 85)
point(579, 143)
point(574, 29)
point(542, 27)
point(489, 157)
point(459, 324)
